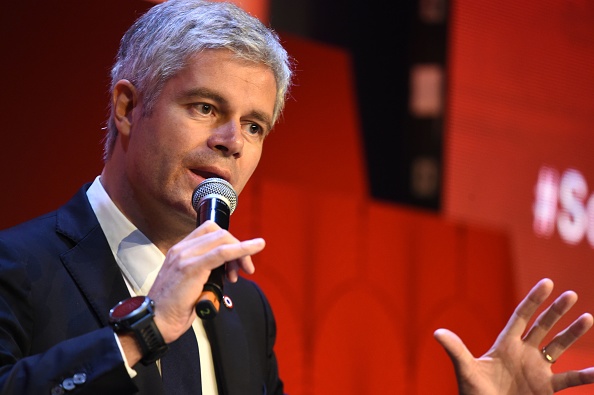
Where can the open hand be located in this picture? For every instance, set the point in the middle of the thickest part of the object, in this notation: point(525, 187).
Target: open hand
point(518, 362)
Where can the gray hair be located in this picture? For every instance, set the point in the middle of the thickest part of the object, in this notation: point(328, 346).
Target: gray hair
point(160, 43)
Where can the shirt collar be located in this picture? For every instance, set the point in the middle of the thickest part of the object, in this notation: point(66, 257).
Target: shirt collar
point(138, 258)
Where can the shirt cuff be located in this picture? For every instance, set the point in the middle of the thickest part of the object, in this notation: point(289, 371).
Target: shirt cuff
point(131, 371)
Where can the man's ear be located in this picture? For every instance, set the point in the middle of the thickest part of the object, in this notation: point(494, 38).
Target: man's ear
point(125, 100)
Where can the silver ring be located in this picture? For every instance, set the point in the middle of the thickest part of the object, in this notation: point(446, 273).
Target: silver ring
point(547, 356)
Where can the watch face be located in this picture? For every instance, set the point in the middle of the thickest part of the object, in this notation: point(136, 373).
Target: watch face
point(127, 307)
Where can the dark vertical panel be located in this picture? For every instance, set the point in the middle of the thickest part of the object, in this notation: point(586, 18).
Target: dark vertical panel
point(385, 39)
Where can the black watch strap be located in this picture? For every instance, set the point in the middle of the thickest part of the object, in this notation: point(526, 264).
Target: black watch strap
point(136, 315)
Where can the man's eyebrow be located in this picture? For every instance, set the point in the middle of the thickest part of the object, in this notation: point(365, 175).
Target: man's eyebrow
point(203, 93)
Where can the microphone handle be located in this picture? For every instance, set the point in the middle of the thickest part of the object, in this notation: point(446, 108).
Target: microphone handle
point(209, 302)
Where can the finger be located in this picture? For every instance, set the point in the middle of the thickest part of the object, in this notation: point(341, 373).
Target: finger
point(206, 236)
point(239, 252)
point(205, 227)
point(564, 339)
point(572, 378)
point(232, 268)
point(242, 253)
point(525, 310)
point(455, 348)
point(214, 244)
point(549, 317)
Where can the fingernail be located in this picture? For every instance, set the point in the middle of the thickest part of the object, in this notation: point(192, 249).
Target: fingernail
point(256, 241)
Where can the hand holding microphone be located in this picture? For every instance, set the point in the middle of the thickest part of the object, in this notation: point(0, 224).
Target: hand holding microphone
point(213, 199)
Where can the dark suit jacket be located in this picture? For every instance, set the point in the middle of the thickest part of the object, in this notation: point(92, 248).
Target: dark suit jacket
point(58, 281)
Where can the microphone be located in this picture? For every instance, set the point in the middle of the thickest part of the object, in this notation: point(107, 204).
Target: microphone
point(213, 199)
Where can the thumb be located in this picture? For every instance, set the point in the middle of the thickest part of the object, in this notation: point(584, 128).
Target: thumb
point(455, 347)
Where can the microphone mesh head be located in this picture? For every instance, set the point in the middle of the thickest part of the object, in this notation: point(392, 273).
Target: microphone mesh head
point(215, 186)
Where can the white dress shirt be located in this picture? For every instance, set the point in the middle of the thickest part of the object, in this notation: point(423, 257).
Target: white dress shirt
point(140, 260)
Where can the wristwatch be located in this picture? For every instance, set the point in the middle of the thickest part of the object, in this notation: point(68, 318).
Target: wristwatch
point(136, 315)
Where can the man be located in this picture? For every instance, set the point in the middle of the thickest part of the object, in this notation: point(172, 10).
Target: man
point(196, 88)
point(112, 278)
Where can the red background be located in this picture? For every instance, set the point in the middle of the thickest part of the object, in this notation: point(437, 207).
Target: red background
point(359, 287)
point(521, 96)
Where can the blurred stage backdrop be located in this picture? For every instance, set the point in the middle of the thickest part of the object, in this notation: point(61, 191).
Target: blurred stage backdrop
point(432, 164)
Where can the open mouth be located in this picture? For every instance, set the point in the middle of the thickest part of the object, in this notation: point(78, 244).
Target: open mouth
point(210, 173)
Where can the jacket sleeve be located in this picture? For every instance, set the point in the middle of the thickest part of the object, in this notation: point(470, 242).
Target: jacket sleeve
point(88, 364)
point(36, 359)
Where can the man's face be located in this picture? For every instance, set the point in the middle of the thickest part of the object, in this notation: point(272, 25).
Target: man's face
point(209, 121)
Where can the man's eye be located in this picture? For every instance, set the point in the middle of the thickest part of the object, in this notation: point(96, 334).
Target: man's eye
point(254, 129)
point(204, 109)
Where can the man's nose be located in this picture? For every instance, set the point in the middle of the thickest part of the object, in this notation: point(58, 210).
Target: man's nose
point(227, 139)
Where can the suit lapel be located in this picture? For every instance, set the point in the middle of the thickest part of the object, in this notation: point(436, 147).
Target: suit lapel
point(90, 261)
point(230, 353)
point(93, 267)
